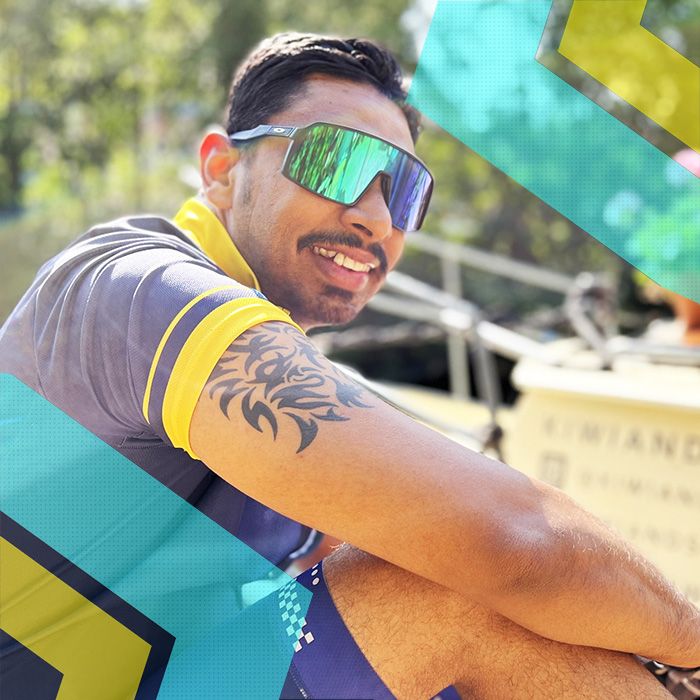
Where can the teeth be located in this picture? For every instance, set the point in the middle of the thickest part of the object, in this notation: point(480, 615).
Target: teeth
point(343, 260)
point(324, 252)
point(350, 264)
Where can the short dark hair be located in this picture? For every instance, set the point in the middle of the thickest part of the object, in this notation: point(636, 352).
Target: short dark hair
point(275, 70)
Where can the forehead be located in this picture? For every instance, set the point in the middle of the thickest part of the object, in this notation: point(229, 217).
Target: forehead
point(346, 103)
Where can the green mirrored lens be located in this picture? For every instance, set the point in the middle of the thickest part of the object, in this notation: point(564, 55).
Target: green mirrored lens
point(338, 163)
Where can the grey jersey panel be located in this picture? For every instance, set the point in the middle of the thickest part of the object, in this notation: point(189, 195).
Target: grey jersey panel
point(85, 335)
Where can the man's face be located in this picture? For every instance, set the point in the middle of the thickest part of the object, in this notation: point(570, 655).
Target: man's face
point(287, 233)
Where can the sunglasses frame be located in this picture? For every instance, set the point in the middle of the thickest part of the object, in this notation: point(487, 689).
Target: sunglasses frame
point(290, 132)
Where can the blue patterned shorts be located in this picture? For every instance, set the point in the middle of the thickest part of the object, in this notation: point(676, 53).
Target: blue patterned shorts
point(327, 663)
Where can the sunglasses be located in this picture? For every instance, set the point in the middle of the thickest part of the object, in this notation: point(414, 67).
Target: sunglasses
point(340, 164)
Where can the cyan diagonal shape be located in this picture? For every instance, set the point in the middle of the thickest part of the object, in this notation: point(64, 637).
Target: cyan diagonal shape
point(478, 78)
point(148, 546)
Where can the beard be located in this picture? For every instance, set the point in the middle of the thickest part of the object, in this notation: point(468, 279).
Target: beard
point(336, 307)
point(331, 307)
point(309, 308)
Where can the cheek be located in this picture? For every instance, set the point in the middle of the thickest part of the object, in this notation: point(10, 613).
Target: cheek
point(288, 208)
point(394, 248)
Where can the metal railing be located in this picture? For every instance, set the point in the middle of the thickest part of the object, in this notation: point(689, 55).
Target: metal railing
point(462, 321)
point(532, 275)
point(585, 297)
point(586, 303)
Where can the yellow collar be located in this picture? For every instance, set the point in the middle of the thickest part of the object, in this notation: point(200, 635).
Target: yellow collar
point(200, 223)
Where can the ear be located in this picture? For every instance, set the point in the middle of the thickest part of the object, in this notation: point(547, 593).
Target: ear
point(218, 159)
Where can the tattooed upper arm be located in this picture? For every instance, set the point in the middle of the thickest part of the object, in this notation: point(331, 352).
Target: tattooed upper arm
point(274, 378)
point(281, 423)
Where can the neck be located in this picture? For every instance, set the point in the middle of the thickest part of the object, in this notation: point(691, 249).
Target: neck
point(218, 213)
point(225, 218)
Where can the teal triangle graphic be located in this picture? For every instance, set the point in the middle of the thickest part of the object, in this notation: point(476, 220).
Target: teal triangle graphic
point(478, 78)
point(148, 546)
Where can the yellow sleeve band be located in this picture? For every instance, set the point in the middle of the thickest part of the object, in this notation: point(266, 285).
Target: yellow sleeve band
point(164, 340)
point(199, 355)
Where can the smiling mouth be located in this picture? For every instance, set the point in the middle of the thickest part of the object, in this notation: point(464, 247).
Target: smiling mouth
point(343, 260)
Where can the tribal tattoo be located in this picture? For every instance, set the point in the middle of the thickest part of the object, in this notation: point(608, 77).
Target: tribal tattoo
point(276, 378)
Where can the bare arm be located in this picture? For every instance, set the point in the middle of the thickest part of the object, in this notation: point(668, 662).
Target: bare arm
point(278, 421)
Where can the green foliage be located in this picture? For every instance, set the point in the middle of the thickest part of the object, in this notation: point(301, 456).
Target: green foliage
point(103, 102)
point(476, 204)
point(381, 21)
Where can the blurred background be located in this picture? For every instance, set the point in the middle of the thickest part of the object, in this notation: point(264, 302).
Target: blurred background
point(103, 103)
point(102, 107)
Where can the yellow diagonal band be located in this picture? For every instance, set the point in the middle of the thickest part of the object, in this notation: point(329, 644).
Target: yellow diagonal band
point(605, 39)
point(98, 656)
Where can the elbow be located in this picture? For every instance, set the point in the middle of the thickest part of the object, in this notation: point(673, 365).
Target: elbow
point(531, 563)
point(532, 544)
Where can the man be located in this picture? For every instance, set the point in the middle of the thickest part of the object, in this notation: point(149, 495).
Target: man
point(182, 345)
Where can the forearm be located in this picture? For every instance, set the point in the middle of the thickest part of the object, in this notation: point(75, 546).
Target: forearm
point(585, 585)
point(322, 451)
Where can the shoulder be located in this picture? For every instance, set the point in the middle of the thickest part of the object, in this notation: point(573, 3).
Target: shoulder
point(132, 234)
point(109, 319)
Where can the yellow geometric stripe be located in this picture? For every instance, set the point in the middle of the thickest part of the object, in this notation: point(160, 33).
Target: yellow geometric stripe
point(97, 655)
point(199, 355)
point(164, 340)
point(606, 40)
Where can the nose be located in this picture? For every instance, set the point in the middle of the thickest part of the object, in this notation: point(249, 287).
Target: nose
point(370, 214)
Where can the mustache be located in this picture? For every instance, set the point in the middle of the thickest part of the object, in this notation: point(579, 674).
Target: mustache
point(350, 240)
